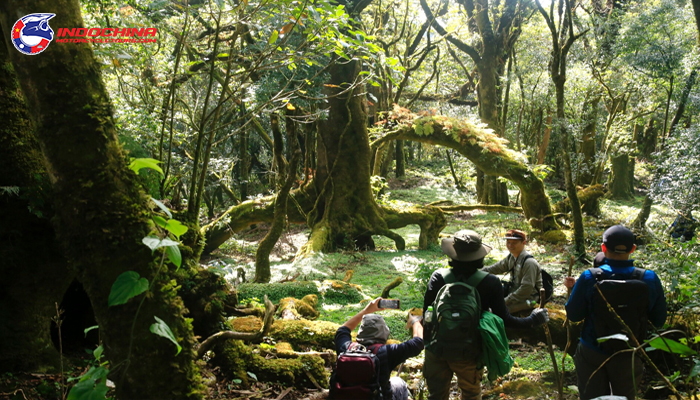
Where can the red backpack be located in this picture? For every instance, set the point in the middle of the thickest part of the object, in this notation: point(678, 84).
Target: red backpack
point(356, 374)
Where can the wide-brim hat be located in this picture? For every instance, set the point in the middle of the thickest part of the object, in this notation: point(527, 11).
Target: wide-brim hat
point(373, 329)
point(465, 245)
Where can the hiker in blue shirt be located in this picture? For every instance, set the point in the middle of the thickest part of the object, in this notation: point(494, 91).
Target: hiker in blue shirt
point(683, 227)
point(616, 376)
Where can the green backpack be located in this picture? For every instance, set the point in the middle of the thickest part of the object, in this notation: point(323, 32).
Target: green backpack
point(454, 324)
point(496, 354)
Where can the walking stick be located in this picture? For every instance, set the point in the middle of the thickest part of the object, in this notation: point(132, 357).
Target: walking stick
point(567, 324)
point(557, 380)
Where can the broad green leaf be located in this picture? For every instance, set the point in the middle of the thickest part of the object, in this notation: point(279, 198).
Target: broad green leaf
point(252, 375)
point(173, 253)
point(176, 227)
point(87, 389)
point(273, 37)
point(237, 381)
point(160, 221)
point(139, 163)
point(154, 242)
point(129, 284)
point(162, 329)
point(695, 371)
point(162, 207)
point(671, 346)
point(618, 336)
point(90, 328)
point(98, 352)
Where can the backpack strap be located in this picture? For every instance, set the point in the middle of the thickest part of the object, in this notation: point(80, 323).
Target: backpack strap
point(638, 273)
point(597, 273)
point(476, 278)
point(449, 276)
point(375, 347)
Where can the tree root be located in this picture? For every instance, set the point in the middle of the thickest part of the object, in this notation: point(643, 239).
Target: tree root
point(245, 336)
point(484, 207)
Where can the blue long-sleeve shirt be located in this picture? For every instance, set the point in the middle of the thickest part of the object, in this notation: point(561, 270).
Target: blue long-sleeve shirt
point(579, 307)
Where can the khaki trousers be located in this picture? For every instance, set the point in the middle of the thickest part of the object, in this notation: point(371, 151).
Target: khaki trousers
point(438, 375)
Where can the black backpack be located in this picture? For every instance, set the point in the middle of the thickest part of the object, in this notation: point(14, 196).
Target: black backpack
point(629, 297)
point(547, 280)
point(356, 374)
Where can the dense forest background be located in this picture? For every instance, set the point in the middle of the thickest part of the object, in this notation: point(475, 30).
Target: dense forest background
point(202, 211)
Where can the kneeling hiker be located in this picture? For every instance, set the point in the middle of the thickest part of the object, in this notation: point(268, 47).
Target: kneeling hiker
point(363, 367)
point(526, 276)
point(635, 294)
point(452, 309)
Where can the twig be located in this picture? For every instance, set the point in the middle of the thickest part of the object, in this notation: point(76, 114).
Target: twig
point(313, 380)
point(557, 378)
point(567, 323)
point(14, 393)
point(284, 393)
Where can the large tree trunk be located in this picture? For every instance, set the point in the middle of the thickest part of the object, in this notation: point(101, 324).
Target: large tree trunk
point(345, 214)
point(619, 183)
point(34, 273)
point(101, 213)
point(400, 160)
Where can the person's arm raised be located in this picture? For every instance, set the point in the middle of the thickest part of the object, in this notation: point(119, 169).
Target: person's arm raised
point(371, 307)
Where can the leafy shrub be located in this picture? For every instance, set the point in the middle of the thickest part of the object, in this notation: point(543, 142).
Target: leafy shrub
point(276, 291)
point(342, 295)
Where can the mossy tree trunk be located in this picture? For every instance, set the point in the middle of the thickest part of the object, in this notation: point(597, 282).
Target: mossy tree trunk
point(101, 213)
point(562, 40)
point(400, 160)
point(285, 179)
point(345, 214)
point(619, 181)
point(34, 272)
point(587, 149)
point(487, 152)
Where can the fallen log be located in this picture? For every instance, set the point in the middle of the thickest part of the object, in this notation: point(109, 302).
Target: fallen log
point(589, 198)
point(292, 309)
point(483, 207)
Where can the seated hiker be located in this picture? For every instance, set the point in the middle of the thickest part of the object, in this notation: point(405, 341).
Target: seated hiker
point(683, 227)
point(371, 338)
point(636, 295)
point(523, 290)
point(445, 353)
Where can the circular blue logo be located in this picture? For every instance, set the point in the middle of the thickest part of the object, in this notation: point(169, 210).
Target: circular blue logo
point(32, 34)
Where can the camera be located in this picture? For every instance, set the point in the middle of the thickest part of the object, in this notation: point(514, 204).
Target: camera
point(384, 303)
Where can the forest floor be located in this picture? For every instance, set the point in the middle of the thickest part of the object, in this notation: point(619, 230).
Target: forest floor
point(532, 377)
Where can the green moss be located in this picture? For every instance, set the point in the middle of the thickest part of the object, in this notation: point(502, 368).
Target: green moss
point(290, 371)
point(554, 236)
point(276, 291)
point(233, 357)
point(339, 292)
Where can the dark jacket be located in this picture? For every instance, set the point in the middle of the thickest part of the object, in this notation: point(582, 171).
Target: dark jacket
point(491, 294)
point(579, 307)
point(390, 355)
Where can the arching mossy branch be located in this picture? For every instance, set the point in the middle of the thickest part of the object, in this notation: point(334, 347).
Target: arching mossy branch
point(482, 147)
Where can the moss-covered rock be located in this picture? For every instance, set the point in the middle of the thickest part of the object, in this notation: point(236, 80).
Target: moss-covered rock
point(554, 236)
point(298, 333)
point(232, 357)
point(206, 296)
point(276, 291)
point(339, 292)
point(290, 371)
point(291, 308)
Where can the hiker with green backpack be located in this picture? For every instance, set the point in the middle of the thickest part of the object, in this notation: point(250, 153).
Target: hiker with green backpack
point(464, 315)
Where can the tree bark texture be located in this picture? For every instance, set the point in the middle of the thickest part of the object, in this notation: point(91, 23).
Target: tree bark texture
point(587, 165)
point(285, 180)
point(400, 160)
point(34, 272)
point(485, 150)
point(101, 213)
point(619, 182)
point(345, 214)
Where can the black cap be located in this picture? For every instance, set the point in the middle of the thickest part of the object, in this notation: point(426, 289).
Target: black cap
point(618, 239)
